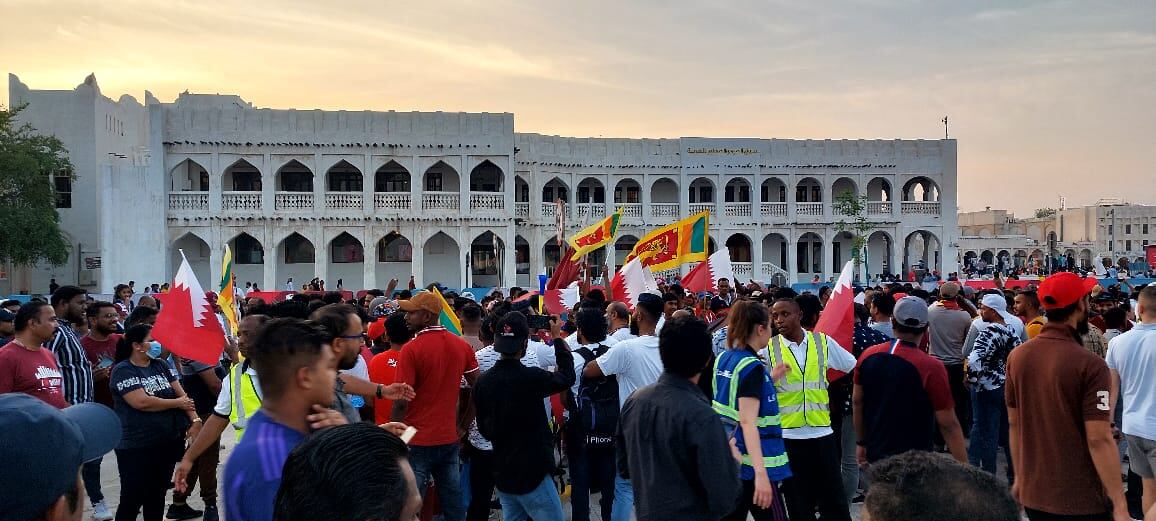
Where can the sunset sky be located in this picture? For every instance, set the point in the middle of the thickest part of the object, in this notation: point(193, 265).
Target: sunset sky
point(1047, 99)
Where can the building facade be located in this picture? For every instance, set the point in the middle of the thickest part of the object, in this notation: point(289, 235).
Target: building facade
point(461, 199)
point(1110, 232)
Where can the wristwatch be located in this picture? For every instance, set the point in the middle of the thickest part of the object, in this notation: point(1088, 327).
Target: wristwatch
point(380, 387)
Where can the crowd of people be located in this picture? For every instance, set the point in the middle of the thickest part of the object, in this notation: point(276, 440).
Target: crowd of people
point(726, 405)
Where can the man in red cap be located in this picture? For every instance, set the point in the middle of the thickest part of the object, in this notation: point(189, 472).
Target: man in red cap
point(1059, 407)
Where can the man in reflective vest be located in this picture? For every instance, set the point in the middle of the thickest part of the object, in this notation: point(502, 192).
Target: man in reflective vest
point(805, 413)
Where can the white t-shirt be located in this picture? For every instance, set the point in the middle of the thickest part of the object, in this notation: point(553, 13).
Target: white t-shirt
point(544, 354)
point(622, 333)
point(224, 405)
point(1133, 356)
point(635, 362)
point(837, 358)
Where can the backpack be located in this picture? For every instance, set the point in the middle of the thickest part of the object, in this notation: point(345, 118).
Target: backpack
point(597, 403)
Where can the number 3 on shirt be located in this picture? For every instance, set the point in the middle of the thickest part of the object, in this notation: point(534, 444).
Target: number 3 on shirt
point(1103, 405)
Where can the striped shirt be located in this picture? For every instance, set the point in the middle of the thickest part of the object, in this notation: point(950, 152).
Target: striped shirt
point(74, 365)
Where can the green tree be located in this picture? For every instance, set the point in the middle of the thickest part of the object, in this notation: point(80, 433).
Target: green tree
point(29, 225)
point(1045, 212)
point(853, 211)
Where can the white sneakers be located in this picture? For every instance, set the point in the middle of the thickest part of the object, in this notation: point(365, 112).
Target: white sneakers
point(100, 512)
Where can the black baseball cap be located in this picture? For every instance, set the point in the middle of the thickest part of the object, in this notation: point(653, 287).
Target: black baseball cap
point(43, 448)
point(511, 333)
point(7, 316)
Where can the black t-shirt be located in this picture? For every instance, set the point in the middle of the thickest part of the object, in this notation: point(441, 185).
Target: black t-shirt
point(146, 429)
point(751, 386)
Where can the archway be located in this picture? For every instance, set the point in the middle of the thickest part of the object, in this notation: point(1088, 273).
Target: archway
point(664, 200)
point(552, 253)
point(294, 177)
point(774, 190)
point(810, 255)
point(921, 189)
point(394, 259)
point(627, 191)
point(344, 177)
point(591, 191)
point(197, 252)
point(775, 250)
point(486, 177)
point(188, 176)
point(346, 263)
point(391, 177)
point(486, 252)
point(879, 190)
point(740, 248)
point(441, 177)
point(522, 260)
point(248, 259)
point(1021, 259)
point(622, 248)
point(922, 253)
point(808, 190)
point(554, 190)
point(738, 190)
point(842, 249)
point(442, 261)
point(988, 257)
point(879, 249)
point(241, 176)
point(701, 191)
point(295, 259)
point(1086, 259)
point(844, 185)
point(521, 190)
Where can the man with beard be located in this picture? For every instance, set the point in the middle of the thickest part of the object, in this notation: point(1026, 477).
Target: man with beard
point(346, 337)
point(69, 302)
point(100, 348)
point(1059, 402)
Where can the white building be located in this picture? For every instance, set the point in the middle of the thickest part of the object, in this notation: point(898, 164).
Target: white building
point(456, 198)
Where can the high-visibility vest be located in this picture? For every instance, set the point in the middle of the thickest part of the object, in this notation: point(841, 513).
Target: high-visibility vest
point(245, 400)
point(729, 369)
point(803, 400)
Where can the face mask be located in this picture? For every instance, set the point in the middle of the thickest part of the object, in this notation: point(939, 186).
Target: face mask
point(154, 350)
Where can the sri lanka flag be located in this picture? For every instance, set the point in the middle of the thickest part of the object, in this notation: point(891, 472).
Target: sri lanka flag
point(226, 297)
point(595, 236)
point(674, 244)
point(447, 318)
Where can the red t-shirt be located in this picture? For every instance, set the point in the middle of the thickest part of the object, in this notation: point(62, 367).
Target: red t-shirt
point(902, 388)
point(33, 373)
point(383, 370)
point(96, 350)
point(433, 363)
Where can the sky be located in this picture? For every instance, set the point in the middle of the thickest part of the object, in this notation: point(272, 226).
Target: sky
point(1047, 99)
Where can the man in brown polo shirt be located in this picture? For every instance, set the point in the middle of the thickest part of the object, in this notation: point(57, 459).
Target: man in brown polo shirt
point(1058, 404)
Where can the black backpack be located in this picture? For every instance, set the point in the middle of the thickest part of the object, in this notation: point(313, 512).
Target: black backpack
point(597, 403)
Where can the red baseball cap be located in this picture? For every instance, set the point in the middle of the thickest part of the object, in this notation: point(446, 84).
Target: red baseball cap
point(376, 329)
point(1064, 289)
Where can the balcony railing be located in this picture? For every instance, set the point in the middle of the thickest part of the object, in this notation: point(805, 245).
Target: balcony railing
point(549, 210)
point(591, 210)
point(189, 201)
point(293, 201)
point(742, 270)
point(770, 270)
point(669, 273)
point(522, 210)
point(878, 207)
point(343, 200)
point(737, 209)
point(920, 208)
point(809, 209)
point(696, 208)
point(774, 209)
point(487, 202)
point(440, 201)
point(631, 210)
point(241, 201)
point(391, 201)
point(664, 210)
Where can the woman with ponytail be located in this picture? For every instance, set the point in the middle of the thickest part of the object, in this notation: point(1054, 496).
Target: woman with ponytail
point(156, 417)
point(746, 400)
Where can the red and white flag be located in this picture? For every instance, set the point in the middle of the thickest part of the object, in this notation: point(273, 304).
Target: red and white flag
point(838, 318)
point(631, 281)
point(187, 325)
point(704, 276)
point(559, 301)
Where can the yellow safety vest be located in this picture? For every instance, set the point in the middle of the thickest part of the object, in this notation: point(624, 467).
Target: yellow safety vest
point(245, 400)
point(803, 400)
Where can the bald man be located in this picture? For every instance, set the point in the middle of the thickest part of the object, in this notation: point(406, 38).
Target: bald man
point(618, 316)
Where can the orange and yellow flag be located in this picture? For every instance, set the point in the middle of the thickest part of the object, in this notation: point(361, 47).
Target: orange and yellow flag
point(674, 244)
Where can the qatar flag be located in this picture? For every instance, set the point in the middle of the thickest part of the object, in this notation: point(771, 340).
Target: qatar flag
point(704, 276)
point(561, 301)
point(631, 281)
point(838, 318)
point(187, 325)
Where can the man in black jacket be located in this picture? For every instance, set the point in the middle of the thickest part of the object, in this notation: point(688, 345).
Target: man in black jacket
point(512, 415)
point(671, 440)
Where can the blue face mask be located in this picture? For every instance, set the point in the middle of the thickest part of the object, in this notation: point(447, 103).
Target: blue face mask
point(155, 350)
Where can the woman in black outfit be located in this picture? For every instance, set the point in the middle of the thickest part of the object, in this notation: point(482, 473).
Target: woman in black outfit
point(156, 416)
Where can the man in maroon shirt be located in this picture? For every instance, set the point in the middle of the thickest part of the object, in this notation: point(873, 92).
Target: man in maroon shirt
point(100, 348)
point(25, 366)
point(1059, 409)
point(434, 363)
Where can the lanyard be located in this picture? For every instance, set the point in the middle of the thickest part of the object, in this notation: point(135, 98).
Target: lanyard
point(894, 344)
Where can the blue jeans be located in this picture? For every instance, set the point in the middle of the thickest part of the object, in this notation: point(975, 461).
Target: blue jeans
point(541, 504)
point(442, 464)
point(623, 500)
point(988, 411)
